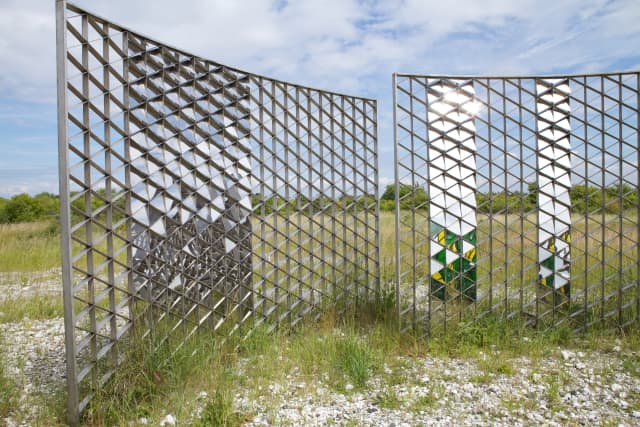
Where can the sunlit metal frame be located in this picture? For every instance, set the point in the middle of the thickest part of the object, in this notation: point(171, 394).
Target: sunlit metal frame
point(196, 196)
point(540, 145)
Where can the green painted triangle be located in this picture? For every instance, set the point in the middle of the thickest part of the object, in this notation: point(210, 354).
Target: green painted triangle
point(471, 274)
point(455, 246)
point(467, 286)
point(441, 257)
point(450, 238)
point(549, 263)
point(470, 236)
point(467, 265)
point(437, 289)
point(547, 281)
point(449, 274)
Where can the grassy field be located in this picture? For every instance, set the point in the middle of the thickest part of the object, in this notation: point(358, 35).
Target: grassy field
point(29, 247)
point(602, 275)
point(33, 247)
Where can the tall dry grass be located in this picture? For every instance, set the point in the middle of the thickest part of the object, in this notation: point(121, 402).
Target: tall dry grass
point(29, 247)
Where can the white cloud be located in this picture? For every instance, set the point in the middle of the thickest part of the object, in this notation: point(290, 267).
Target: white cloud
point(337, 43)
point(30, 187)
point(384, 181)
point(27, 50)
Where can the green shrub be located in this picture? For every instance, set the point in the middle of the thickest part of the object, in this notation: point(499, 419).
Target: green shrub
point(355, 359)
point(22, 208)
point(387, 205)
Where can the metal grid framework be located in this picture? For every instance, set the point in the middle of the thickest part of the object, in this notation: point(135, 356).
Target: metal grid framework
point(532, 206)
point(200, 197)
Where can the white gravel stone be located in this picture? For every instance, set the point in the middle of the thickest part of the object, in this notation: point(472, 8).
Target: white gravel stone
point(168, 421)
point(566, 354)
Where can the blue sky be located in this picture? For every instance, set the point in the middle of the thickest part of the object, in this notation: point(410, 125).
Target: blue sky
point(350, 46)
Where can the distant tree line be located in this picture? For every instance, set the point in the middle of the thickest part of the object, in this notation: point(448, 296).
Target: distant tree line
point(303, 204)
point(612, 199)
point(419, 200)
point(46, 206)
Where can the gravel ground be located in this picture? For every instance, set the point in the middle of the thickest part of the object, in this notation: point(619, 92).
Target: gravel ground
point(580, 388)
point(33, 351)
point(23, 285)
point(565, 387)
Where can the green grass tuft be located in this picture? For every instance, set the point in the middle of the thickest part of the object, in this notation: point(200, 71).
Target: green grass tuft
point(8, 393)
point(355, 359)
point(148, 375)
point(387, 398)
point(218, 410)
point(37, 307)
point(631, 364)
point(430, 399)
point(496, 365)
point(8, 390)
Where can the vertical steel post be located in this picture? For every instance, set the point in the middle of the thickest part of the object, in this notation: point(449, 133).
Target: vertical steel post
point(65, 215)
point(376, 192)
point(638, 197)
point(396, 175)
point(506, 191)
point(603, 192)
point(620, 204)
point(413, 208)
point(522, 199)
point(586, 203)
point(537, 136)
point(490, 201)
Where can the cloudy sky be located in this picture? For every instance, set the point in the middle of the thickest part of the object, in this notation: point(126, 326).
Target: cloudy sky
point(350, 46)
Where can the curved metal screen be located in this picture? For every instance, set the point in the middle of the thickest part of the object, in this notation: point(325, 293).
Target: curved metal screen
point(195, 195)
point(523, 199)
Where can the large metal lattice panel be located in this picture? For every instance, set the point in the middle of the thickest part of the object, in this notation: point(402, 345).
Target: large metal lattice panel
point(195, 196)
point(518, 197)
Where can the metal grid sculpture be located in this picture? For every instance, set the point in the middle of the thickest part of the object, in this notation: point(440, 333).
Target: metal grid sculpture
point(195, 196)
point(533, 199)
